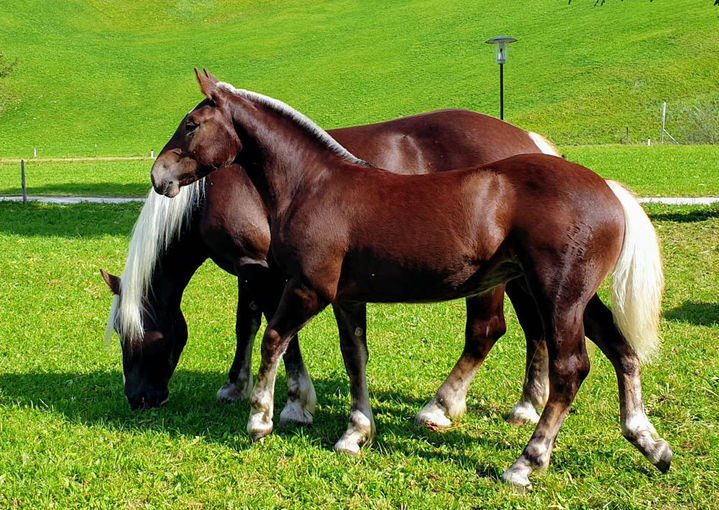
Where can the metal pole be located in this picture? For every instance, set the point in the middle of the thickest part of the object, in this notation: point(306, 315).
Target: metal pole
point(501, 91)
point(664, 118)
point(22, 178)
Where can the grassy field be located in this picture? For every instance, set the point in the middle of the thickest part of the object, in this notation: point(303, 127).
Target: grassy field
point(665, 171)
point(102, 78)
point(77, 178)
point(96, 76)
point(68, 438)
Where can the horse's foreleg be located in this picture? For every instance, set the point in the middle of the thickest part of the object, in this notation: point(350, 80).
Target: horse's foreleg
point(568, 366)
point(636, 426)
point(297, 306)
point(249, 316)
point(535, 389)
point(485, 324)
point(352, 325)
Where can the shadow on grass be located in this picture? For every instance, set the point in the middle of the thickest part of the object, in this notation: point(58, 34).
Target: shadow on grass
point(700, 314)
point(84, 189)
point(97, 398)
point(78, 220)
point(683, 214)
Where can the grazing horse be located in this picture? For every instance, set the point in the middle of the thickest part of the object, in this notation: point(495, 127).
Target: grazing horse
point(222, 217)
point(344, 233)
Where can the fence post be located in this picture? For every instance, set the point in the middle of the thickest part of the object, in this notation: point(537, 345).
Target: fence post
point(22, 177)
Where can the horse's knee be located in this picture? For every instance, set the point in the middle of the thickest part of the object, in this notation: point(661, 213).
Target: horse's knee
point(481, 335)
point(567, 374)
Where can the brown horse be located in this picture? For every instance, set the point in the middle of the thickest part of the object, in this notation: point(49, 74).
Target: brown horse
point(223, 218)
point(344, 232)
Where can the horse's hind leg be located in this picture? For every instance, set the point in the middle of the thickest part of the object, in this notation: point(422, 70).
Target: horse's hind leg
point(297, 306)
point(249, 315)
point(485, 324)
point(636, 427)
point(301, 398)
point(568, 366)
point(352, 325)
point(535, 390)
point(259, 292)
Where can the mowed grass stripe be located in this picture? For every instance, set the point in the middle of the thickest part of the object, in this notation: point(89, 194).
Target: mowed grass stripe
point(656, 171)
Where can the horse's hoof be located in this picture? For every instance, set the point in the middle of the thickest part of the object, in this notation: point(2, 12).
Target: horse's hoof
point(347, 446)
point(522, 414)
point(295, 413)
point(664, 456)
point(432, 416)
point(232, 392)
point(228, 394)
point(519, 481)
point(258, 427)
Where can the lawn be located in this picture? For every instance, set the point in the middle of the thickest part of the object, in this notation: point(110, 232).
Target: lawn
point(68, 438)
point(104, 78)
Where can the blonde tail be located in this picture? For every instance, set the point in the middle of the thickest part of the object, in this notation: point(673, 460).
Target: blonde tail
point(638, 280)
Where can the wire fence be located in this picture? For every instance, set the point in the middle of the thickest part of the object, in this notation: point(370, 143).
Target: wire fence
point(106, 176)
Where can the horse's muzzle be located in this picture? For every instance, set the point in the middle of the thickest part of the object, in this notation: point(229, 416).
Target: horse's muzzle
point(147, 399)
point(162, 179)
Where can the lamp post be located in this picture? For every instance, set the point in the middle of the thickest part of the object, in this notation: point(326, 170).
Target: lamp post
point(500, 46)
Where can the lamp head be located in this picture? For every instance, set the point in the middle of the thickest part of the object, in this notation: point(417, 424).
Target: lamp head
point(500, 45)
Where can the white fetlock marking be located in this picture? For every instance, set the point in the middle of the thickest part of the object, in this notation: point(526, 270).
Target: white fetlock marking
point(433, 416)
point(518, 475)
point(523, 413)
point(294, 412)
point(456, 408)
point(359, 432)
point(228, 393)
point(232, 392)
point(309, 398)
point(258, 426)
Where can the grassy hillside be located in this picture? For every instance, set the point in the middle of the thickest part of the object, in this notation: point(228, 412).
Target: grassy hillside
point(117, 76)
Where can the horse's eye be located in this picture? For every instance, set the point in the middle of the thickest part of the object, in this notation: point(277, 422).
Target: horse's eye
point(190, 126)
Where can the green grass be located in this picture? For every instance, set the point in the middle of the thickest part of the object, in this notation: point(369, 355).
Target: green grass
point(68, 438)
point(664, 171)
point(77, 178)
point(649, 171)
point(96, 76)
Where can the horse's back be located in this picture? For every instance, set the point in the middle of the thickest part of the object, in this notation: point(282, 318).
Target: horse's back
point(435, 141)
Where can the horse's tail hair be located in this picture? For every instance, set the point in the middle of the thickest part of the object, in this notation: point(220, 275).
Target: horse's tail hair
point(543, 144)
point(638, 280)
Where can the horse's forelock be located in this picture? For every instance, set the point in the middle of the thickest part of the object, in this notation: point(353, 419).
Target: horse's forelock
point(160, 223)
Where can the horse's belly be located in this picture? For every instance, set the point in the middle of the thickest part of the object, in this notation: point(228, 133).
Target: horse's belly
point(392, 284)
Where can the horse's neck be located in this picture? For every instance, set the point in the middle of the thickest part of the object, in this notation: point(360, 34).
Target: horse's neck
point(173, 271)
point(286, 154)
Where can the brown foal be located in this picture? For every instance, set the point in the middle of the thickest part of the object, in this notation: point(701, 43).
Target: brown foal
point(344, 232)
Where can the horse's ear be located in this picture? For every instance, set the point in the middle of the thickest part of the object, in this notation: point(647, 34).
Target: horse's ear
point(209, 75)
point(112, 281)
point(208, 84)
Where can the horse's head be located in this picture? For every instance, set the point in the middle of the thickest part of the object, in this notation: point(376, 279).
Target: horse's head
point(149, 357)
point(205, 141)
